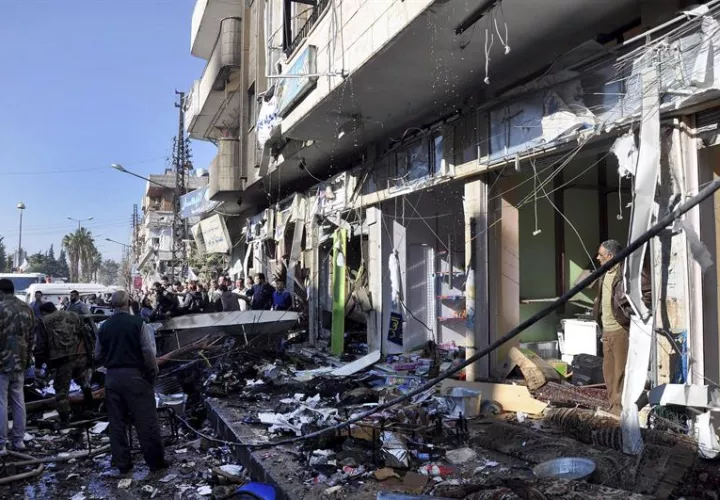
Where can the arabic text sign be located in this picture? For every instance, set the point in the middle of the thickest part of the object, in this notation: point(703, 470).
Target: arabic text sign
point(196, 203)
point(215, 235)
point(293, 88)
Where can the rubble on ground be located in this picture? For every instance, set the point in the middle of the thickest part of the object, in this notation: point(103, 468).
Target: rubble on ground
point(457, 439)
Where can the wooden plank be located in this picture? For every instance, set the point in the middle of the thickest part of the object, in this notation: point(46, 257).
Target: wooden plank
point(537, 371)
point(512, 398)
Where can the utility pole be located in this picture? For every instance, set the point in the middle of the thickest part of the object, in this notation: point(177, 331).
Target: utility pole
point(135, 232)
point(181, 164)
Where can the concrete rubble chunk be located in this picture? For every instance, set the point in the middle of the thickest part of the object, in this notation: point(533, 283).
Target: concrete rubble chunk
point(124, 484)
point(461, 456)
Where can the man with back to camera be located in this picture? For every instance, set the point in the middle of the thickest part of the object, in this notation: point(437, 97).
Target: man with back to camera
point(16, 328)
point(126, 347)
point(612, 312)
point(60, 343)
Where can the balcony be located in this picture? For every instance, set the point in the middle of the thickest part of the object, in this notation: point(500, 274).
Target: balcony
point(162, 184)
point(214, 100)
point(206, 19)
point(156, 220)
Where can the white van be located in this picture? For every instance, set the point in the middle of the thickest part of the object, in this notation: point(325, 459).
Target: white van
point(55, 292)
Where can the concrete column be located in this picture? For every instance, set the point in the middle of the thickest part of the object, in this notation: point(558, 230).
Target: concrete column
point(709, 170)
point(695, 273)
point(399, 245)
point(476, 259)
point(373, 221)
point(313, 252)
point(504, 265)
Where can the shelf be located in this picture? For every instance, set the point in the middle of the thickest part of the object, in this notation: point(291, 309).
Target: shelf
point(446, 273)
point(451, 318)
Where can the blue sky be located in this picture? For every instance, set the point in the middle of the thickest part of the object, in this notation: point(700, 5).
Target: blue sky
point(87, 83)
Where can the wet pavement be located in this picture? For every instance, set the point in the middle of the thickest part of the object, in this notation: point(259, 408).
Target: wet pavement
point(190, 475)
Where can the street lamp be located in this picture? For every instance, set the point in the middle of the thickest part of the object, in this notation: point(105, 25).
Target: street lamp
point(80, 221)
point(21, 207)
point(122, 169)
point(117, 242)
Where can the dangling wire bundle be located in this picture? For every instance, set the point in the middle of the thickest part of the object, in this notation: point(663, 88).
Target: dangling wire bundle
point(504, 41)
point(489, 40)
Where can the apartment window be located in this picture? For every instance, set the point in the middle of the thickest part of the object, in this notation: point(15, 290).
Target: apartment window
point(419, 160)
point(299, 18)
point(252, 105)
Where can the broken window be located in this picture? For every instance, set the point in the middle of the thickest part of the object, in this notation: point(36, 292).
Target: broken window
point(419, 160)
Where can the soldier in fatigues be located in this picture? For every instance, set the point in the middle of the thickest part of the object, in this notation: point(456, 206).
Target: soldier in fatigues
point(60, 342)
point(16, 329)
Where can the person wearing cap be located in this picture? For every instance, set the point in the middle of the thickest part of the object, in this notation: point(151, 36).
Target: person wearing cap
point(61, 344)
point(76, 305)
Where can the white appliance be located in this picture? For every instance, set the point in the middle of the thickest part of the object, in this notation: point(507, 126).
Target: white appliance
point(577, 336)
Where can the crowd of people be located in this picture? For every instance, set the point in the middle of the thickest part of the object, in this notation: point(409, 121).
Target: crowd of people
point(43, 337)
point(65, 342)
point(165, 299)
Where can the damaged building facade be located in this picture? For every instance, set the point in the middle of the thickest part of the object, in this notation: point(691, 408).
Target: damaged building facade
point(433, 170)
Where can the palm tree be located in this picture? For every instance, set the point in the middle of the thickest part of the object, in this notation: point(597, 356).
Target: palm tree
point(81, 250)
point(71, 246)
point(95, 265)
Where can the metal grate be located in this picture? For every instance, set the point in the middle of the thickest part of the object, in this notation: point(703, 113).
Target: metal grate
point(303, 32)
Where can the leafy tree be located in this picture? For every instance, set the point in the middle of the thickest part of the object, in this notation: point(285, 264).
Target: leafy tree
point(109, 272)
point(38, 263)
point(62, 265)
point(3, 256)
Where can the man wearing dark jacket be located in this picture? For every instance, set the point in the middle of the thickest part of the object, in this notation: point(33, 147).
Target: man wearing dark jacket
point(261, 294)
point(612, 312)
point(126, 347)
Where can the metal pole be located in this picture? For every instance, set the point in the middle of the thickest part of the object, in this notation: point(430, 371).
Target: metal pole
point(637, 244)
point(19, 263)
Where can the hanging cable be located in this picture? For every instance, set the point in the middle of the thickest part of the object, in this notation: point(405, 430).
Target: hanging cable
point(504, 41)
point(489, 40)
point(535, 193)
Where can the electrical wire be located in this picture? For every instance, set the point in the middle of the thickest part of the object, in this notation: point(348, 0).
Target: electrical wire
point(560, 301)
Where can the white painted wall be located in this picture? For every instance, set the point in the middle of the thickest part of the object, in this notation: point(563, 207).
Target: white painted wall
point(366, 26)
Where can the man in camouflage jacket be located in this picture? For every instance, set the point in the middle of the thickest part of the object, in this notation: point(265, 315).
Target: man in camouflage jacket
point(16, 329)
point(61, 344)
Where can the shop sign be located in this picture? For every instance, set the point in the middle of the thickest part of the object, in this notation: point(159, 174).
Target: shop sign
point(196, 203)
point(215, 235)
point(293, 89)
point(198, 237)
point(268, 121)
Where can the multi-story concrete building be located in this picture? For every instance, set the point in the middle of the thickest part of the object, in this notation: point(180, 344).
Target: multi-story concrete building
point(155, 231)
point(441, 170)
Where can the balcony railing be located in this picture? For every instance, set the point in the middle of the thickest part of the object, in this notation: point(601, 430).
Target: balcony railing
point(303, 32)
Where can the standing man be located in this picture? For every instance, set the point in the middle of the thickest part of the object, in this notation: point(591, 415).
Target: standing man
point(612, 312)
point(282, 299)
point(126, 347)
point(60, 343)
point(16, 328)
point(76, 305)
point(35, 304)
point(261, 294)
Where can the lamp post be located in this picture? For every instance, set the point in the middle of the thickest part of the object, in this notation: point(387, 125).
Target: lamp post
point(80, 221)
point(122, 169)
point(21, 207)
